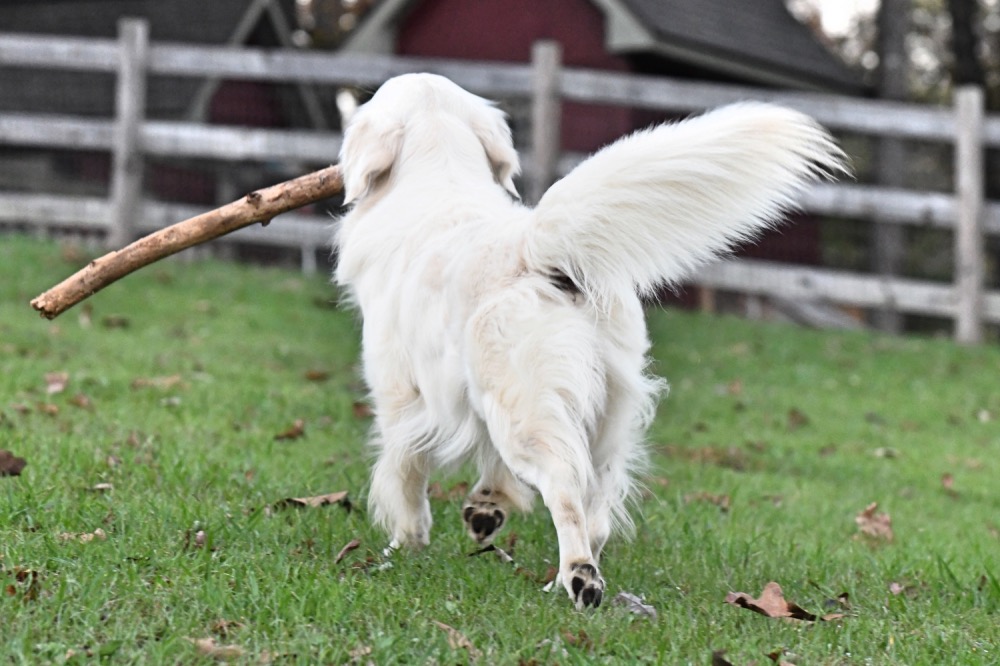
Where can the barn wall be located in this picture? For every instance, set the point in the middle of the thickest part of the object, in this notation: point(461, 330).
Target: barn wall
point(504, 30)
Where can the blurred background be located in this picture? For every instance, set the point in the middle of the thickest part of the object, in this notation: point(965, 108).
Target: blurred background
point(231, 95)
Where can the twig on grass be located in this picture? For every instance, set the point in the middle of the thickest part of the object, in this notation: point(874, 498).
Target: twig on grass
point(259, 206)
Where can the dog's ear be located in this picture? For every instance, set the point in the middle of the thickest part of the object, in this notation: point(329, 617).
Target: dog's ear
point(371, 146)
point(494, 133)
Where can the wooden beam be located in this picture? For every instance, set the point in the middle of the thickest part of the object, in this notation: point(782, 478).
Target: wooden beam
point(130, 105)
point(969, 262)
point(546, 117)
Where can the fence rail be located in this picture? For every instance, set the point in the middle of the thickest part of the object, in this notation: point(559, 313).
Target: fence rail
point(130, 137)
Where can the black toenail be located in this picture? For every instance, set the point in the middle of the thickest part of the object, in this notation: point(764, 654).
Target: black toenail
point(483, 524)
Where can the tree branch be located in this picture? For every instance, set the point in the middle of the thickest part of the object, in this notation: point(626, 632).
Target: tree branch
point(259, 206)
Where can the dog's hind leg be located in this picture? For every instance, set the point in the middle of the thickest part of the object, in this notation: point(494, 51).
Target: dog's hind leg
point(543, 461)
point(398, 496)
point(497, 492)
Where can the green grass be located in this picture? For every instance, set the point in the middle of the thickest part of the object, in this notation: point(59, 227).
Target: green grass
point(787, 423)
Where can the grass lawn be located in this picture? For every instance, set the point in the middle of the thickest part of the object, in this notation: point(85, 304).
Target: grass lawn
point(173, 387)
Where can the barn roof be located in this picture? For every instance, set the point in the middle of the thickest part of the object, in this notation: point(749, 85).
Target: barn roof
point(759, 39)
point(756, 41)
point(91, 93)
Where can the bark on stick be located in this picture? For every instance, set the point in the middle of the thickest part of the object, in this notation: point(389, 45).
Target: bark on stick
point(259, 206)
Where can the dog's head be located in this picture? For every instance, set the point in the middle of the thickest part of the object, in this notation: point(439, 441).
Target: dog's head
point(374, 138)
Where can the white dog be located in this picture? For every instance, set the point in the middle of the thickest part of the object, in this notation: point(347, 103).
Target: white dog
point(514, 336)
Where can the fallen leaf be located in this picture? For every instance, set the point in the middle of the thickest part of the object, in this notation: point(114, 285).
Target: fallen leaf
point(295, 431)
point(317, 375)
point(771, 603)
point(876, 526)
point(316, 501)
point(26, 579)
point(81, 401)
point(209, 648)
point(55, 382)
point(634, 604)
point(362, 410)
point(721, 501)
point(948, 483)
point(351, 545)
point(797, 419)
point(457, 640)
point(115, 321)
point(101, 488)
point(224, 628)
point(580, 639)
point(10, 465)
point(732, 457)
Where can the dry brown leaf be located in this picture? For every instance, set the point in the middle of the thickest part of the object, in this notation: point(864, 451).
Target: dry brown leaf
point(351, 545)
point(457, 640)
point(316, 501)
point(316, 375)
point(26, 579)
point(797, 419)
point(115, 321)
point(10, 465)
point(948, 484)
point(82, 401)
point(580, 639)
point(362, 410)
point(209, 648)
point(876, 526)
point(295, 431)
point(55, 382)
point(101, 488)
point(721, 501)
point(771, 603)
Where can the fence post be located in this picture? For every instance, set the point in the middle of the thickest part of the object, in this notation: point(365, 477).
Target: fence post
point(969, 264)
point(130, 110)
point(546, 61)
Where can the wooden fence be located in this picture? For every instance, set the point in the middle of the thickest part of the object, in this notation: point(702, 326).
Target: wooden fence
point(130, 138)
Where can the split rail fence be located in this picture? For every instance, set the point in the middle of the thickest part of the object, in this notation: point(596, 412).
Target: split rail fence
point(130, 138)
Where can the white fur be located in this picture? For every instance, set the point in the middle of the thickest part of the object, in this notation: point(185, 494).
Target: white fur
point(472, 351)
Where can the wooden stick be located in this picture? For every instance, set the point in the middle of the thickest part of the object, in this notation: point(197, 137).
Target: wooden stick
point(259, 206)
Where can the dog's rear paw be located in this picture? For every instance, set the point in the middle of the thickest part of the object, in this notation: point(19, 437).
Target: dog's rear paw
point(483, 520)
point(585, 585)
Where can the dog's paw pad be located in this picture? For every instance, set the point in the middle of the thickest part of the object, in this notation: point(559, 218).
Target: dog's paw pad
point(586, 587)
point(483, 520)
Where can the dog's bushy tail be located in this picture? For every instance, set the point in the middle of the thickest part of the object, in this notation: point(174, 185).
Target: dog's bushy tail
point(650, 208)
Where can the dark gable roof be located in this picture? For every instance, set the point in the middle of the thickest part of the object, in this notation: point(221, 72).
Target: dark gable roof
point(92, 93)
point(756, 41)
point(760, 34)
